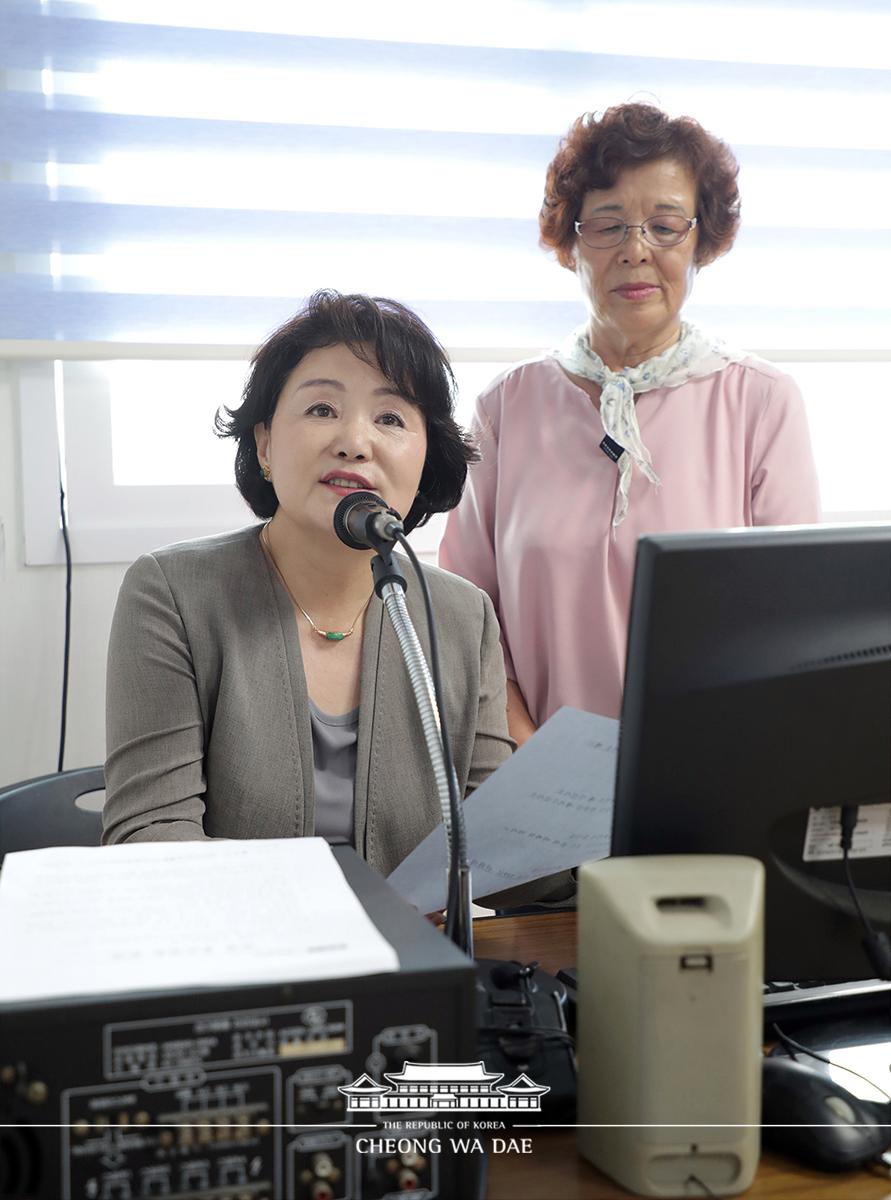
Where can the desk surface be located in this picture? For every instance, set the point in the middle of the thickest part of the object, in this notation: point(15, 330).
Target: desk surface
point(555, 1169)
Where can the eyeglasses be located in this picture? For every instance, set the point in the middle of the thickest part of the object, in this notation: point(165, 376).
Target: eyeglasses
point(602, 232)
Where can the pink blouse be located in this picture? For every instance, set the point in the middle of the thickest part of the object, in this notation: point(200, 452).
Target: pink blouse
point(534, 526)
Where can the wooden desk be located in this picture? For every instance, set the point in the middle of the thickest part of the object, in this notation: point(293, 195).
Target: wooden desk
point(555, 1171)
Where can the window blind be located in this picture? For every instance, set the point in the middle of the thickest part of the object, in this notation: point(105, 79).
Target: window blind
point(186, 172)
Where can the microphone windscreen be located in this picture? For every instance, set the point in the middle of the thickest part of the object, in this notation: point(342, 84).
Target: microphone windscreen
point(366, 501)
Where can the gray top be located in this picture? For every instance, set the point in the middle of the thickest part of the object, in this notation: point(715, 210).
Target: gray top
point(334, 740)
point(208, 716)
point(208, 720)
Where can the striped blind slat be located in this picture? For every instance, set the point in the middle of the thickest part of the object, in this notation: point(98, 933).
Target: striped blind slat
point(177, 182)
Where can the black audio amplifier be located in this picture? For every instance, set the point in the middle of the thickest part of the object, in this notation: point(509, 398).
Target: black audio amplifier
point(232, 1093)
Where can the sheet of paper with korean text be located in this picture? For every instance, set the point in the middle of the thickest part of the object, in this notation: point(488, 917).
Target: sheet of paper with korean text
point(547, 808)
point(85, 920)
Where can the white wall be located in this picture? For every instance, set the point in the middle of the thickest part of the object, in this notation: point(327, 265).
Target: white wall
point(32, 633)
point(32, 614)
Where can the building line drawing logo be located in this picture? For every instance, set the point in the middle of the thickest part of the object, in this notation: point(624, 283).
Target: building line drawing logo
point(443, 1087)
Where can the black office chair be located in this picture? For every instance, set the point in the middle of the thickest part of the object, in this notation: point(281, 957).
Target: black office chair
point(42, 812)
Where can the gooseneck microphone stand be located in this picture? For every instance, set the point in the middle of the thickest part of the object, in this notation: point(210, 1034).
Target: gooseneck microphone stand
point(519, 1007)
point(362, 520)
point(390, 586)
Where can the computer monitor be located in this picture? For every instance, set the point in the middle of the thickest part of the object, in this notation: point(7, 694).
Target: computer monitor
point(758, 688)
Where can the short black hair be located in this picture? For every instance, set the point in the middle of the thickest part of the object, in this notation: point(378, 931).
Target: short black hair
point(386, 335)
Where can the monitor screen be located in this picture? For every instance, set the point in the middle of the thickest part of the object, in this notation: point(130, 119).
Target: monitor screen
point(758, 689)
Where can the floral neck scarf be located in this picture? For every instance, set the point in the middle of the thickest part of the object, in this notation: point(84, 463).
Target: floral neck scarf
point(694, 354)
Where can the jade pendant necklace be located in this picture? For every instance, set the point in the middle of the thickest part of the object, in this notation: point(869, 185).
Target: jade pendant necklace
point(330, 635)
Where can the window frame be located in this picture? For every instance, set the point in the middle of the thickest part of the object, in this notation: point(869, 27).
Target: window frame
point(124, 539)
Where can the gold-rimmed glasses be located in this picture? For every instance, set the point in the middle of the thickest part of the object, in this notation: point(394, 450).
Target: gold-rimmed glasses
point(668, 229)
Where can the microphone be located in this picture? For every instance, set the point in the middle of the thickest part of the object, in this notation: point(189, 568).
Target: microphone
point(363, 521)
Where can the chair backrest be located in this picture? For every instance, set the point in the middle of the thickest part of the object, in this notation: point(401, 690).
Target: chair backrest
point(42, 812)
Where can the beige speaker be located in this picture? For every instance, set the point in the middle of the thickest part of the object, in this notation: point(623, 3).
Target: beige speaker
point(670, 961)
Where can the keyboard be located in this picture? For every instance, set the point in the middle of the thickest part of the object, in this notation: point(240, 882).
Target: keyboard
point(796, 1004)
point(793, 1003)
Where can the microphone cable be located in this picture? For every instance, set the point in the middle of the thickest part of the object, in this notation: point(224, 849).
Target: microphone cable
point(459, 839)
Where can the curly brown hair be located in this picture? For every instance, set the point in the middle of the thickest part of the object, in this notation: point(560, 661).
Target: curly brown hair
point(599, 146)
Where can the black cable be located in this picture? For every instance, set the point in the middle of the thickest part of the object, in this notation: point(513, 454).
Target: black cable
point(66, 653)
point(458, 849)
point(848, 822)
point(699, 1183)
point(790, 1042)
point(876, 944)
point(864, 920)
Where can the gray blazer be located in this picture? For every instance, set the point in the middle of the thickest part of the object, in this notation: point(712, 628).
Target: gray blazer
point(208, 728)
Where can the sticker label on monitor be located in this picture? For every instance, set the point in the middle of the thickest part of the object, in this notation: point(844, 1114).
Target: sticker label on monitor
point(872, 834)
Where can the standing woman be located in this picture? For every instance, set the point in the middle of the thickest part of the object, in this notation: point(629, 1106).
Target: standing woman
point(254, 688)
point(638, 423)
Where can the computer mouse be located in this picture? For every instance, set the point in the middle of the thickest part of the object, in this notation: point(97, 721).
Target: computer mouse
point(817, 1121)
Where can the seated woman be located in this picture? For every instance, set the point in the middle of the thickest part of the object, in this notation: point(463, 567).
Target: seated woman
point(255, 689)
